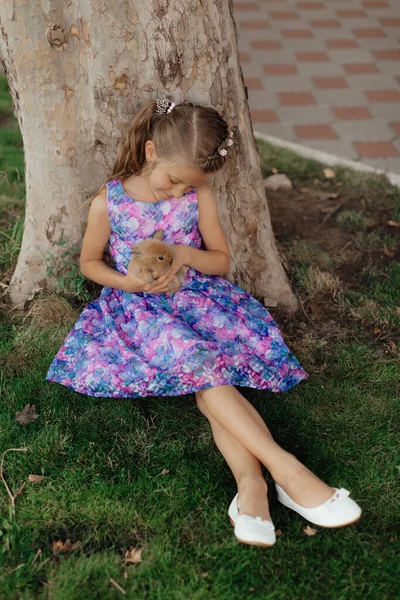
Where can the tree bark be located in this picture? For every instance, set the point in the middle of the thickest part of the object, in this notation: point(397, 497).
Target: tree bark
point(78, 71)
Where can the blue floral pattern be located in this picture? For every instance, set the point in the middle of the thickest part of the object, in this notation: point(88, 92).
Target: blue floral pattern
point(209, 333)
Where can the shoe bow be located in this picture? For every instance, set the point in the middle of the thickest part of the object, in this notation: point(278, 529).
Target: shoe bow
point(267, 524)
point(338, 495)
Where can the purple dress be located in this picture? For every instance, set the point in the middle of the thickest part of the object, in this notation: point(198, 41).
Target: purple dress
point(211, 332)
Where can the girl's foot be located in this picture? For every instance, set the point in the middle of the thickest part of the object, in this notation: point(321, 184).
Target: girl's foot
point(301, 484)
point(252, 499)
point(249, 514)
point(338, 511)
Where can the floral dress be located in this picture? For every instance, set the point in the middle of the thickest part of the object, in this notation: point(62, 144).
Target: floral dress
point(211, 332)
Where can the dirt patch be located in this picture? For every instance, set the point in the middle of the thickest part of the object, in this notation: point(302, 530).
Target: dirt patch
point(301, 214)
point(310, 234)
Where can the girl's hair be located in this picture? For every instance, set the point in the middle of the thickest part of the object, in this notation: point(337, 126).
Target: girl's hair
point(190, 134)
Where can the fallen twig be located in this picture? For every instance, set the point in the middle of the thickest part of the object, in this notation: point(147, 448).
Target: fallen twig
point(334, 209)
point(121, 589)
point(304, 310)
point(11, 496)
point(7, 236)
point(15, 569)
point(347, 244)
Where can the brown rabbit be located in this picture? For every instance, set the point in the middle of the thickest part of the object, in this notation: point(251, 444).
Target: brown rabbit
point(151, 258)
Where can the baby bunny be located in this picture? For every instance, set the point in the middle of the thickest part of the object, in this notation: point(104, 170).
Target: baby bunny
point(151, 258)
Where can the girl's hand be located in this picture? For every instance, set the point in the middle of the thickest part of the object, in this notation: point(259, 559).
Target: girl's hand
point(132, 284)
point(180, 253)
point(181, 256)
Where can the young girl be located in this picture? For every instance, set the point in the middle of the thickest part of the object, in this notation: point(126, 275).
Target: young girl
point(209, 336)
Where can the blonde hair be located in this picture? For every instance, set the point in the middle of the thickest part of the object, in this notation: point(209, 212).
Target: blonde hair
point(191, 134)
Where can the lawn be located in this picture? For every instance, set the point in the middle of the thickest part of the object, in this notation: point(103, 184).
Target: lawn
point(143, 478)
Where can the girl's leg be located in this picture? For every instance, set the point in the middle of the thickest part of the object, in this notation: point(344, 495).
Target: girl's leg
point(245, 467)
point(237, 416)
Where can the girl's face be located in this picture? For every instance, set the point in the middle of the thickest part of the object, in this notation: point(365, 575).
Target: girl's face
point(167, 181)
point(174, 181)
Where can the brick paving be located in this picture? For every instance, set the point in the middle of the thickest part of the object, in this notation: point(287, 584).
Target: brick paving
point(325, 74)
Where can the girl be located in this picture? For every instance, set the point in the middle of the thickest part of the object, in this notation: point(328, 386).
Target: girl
point(208, 337)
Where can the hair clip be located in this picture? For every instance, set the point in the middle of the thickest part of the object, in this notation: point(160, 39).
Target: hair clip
point(229, 143)
point(164, 106)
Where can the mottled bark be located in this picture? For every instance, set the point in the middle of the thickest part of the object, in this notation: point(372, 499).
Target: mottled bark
point(78, 71)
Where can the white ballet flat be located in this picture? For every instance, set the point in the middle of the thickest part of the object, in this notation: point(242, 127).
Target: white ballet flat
point(233, 510)
point(254, 531)
point(337, 511)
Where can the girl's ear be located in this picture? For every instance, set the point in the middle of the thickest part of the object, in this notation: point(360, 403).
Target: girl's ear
point(159, 234)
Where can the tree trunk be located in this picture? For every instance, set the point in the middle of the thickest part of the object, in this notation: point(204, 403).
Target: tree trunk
point(77, 74)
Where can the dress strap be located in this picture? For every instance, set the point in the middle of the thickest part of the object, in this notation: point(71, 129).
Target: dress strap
point(114, 195)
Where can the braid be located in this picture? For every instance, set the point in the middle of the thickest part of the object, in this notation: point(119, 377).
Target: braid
point(215, 161)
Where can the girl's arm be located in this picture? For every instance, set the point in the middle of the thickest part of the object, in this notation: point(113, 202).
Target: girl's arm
point(94, 242)
point(93, 266)
point(216, 259)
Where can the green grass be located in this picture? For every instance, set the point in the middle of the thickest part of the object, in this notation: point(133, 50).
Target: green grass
point(104, 460)
point(11, 238)
point(352, 220)
point(11, 148)
point(12, 184)
point(5, 98)
point(379, 300)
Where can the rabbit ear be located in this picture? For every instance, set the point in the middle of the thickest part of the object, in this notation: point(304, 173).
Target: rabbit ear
point(136, 251)
point(159, 234)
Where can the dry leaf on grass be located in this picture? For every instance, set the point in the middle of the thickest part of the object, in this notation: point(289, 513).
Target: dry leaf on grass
point(310, 531)
point(314, 308)
point(388, 252)
point(27, 415)
point(278, 532)
point(67, 546)
point(329, 173)
point(134, 555)
point(35, 478)
point(164, 471)
point(394, 223)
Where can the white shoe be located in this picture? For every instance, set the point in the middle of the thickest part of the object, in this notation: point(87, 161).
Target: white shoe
point(233, 510)
point(254, 531)
point(337, 511)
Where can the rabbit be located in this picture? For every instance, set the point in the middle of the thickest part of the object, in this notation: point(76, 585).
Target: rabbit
point(151, 258)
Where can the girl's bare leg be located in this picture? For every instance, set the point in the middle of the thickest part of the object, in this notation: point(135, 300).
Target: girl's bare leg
point(245, 467)
point(231, 411)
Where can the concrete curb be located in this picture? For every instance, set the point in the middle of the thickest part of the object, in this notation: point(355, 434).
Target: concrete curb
point(326, 158)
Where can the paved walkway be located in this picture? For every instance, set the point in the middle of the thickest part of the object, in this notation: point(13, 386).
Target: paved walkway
point(325, 74)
